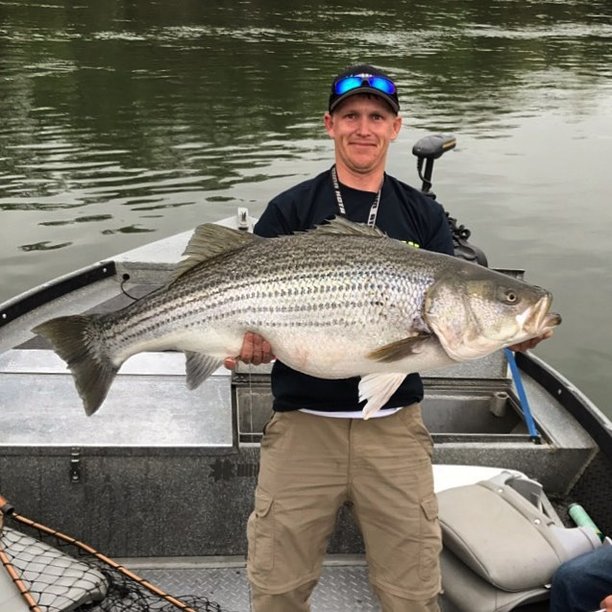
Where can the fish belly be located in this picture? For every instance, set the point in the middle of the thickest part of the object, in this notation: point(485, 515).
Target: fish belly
point(334, 357)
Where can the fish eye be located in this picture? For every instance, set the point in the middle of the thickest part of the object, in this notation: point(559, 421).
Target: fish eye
point(510, 296)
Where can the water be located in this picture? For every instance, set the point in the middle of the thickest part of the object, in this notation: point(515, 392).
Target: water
point(125, 122)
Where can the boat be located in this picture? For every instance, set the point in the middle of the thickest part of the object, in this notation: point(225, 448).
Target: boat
point(162, 478)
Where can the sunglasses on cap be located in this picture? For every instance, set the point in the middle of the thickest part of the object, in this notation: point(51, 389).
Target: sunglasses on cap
point(348, 83)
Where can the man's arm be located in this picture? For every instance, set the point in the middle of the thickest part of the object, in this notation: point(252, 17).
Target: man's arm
point(606, 604)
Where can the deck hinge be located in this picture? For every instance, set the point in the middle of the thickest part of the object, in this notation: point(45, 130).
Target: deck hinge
point(75, 465)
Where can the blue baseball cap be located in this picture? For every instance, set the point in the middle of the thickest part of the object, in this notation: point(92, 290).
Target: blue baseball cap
point(363, 79)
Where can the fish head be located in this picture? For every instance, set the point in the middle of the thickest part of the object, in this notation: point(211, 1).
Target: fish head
point(475, 311)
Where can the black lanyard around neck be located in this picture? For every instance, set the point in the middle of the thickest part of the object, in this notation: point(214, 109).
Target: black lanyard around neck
point(373, 209)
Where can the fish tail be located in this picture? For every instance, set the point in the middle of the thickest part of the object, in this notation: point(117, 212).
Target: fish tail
point(78, 341)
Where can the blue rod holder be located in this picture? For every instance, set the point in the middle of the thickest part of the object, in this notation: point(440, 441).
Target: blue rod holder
point(520, 389)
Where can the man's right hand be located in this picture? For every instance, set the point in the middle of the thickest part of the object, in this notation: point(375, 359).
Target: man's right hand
point(606, 604)
point(255, 349)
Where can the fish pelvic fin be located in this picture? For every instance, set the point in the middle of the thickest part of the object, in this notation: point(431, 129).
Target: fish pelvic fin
point(377, 389)
point(78, 341)
point(199, 367)
point(396, 351)
point(210, 240)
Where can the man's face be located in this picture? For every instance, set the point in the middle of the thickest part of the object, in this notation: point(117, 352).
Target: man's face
point(362, 127)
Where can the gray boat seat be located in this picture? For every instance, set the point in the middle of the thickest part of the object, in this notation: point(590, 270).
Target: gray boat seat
point(502, 544)
point(55, 580)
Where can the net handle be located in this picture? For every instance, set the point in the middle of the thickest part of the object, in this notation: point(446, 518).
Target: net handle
point(5, 507)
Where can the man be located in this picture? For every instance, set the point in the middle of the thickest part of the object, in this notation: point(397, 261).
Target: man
point(317, 452)
point(584, 583)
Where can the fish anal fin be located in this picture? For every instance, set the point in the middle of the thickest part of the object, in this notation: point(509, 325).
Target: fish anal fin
point(208, 241)
point(199, 367)
point(376, 389)
point(396, 351)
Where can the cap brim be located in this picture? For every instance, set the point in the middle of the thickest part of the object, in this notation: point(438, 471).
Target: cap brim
point(366, 90)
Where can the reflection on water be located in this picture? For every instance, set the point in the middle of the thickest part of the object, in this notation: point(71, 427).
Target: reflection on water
point(128, 121)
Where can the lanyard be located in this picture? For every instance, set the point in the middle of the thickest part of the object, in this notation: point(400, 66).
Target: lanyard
point(373, 209)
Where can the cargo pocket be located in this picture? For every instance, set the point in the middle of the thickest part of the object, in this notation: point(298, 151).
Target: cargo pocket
point(431, 543)
point(260, 533)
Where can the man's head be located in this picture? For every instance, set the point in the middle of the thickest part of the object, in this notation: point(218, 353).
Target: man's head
point(363, 79)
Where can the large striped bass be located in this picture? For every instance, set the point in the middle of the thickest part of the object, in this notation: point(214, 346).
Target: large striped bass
point(338, 301)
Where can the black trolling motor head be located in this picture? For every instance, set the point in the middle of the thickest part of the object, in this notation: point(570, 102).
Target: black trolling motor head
point(434, 145)
point(426, 150)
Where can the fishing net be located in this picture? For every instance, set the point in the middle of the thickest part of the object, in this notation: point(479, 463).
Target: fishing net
point(43, 570)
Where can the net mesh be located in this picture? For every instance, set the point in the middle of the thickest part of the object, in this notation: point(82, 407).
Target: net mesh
point(47, 571)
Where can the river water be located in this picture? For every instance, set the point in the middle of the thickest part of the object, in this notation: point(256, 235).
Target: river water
point(128, 121)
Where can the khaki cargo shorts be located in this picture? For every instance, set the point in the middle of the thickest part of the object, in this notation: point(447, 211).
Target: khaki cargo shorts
point(311, 465)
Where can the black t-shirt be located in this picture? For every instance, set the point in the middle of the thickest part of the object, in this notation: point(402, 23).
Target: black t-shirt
point(403, 213)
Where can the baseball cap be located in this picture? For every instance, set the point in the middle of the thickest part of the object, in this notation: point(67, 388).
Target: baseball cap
point(363, 79)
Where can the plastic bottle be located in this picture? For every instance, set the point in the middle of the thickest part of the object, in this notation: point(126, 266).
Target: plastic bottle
point(581, 517)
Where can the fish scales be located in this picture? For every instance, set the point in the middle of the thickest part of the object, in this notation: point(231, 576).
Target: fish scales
point(337, 268)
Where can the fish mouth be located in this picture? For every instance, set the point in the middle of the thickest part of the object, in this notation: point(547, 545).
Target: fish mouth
point(552, 319)
point(537, 319)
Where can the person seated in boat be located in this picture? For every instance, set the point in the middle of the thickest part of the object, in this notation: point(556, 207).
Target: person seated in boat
point(583, 584)
point(317, 452)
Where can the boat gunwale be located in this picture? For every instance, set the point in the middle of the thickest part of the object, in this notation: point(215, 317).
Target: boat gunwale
point(578, 405)
point(43, 294)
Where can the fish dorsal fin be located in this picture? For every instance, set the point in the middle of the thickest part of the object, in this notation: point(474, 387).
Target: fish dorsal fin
point(342, 226)
point(208, 241)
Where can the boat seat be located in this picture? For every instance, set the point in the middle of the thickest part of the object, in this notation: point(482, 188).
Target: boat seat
point(501, 546)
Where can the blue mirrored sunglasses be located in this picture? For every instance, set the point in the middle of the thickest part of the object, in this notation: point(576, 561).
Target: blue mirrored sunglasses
point(353, 82)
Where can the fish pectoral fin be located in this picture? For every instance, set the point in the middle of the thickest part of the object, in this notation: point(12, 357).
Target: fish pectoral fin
point(377, 389)
point(199, 367)
point(395, 351)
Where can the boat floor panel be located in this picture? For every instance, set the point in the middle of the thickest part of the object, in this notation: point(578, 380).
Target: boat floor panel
point(341, 588)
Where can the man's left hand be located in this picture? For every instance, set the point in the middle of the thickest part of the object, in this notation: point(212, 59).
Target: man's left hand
point(521, 347)
point(255, 350)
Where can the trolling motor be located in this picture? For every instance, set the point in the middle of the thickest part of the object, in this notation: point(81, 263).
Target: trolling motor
point(426, 150)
